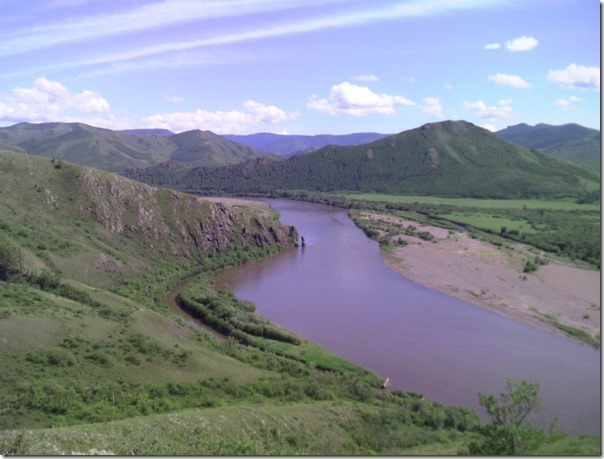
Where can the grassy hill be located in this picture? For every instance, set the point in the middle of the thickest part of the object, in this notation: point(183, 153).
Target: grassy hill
point(288, 145)
point(117, 151)
point(570, 142)
point(93, 359)
point(451, 158)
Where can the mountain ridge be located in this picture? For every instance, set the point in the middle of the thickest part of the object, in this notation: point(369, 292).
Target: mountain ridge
point(449, 158)
point(290, 144)
point(116, 151)
point(570, 142)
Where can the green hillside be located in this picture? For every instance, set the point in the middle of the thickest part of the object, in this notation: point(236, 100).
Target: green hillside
point(570, 142)
point(93, 358)
point(451, 158)
point(117, 151)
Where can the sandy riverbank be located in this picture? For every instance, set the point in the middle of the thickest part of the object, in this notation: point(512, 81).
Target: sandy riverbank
point(491, 278)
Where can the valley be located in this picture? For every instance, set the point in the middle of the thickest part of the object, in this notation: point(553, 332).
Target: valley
point(98, 361)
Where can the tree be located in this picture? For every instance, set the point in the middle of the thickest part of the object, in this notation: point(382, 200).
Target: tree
point(509, 432)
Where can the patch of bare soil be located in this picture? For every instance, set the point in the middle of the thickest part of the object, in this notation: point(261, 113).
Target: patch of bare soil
point(481, 274)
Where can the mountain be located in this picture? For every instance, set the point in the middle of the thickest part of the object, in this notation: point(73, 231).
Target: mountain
point(451, 158)
point(288, 145)
point(570, 142)
point(147, 131)
point(116, 151)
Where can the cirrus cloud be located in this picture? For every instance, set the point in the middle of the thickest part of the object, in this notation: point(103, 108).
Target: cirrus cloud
point(576, 76)
point(349, 99)
point(513, 81)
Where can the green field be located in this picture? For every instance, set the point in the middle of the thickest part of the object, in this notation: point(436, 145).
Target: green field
point(556, 204)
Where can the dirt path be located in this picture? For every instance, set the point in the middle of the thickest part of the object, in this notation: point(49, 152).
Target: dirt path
point(483, 275)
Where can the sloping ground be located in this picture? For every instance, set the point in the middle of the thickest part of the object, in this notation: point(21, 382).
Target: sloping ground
point(321, 428)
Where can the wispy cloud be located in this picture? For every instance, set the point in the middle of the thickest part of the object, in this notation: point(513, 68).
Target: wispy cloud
point(433, 107)
point(568, 103)
point(365, 78)
point(490, 112)
point(150, 16)
point(513, 81)
point(523, 43)
point(172, 12)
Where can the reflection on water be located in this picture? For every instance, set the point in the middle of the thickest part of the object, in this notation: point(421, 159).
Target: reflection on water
point(338, 293)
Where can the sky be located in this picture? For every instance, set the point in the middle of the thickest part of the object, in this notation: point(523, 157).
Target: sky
point(299, 66)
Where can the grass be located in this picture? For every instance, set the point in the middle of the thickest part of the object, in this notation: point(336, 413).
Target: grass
point(323, 428)
point(572, 331)
point(558, 204)
point(490, 222)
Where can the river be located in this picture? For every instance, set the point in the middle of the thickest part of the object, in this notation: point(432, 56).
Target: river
point(338, 293)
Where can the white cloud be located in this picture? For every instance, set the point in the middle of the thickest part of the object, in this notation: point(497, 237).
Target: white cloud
point(221, 122)
point(489, 127)
point(448, 86)
point(366, 78)
point(433, 107)
point(349, 99)
point(568, 103)
point(523, 43)
point(576, 76)
point(49, 100)
point(492, 46)
point(481, 110)
point(513, 81)
point(174, 99)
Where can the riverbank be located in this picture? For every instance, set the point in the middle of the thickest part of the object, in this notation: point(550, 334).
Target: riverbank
point(558, 298)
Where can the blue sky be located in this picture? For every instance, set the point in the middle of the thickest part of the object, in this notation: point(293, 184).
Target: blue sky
point(299, 66)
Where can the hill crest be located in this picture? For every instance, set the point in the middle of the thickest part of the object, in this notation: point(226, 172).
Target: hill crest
point(449, 158)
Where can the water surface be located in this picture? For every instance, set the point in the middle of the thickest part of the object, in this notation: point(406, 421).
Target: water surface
point(338, 293)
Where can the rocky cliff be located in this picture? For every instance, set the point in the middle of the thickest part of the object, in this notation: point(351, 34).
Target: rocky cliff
point(77, 220)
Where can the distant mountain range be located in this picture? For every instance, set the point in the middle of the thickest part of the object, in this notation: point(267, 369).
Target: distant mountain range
point(116, 151)
point(451, 158)
point(570, 142)
point(287, 145)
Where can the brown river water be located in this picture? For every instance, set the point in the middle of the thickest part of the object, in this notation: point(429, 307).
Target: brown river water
point(338, 293)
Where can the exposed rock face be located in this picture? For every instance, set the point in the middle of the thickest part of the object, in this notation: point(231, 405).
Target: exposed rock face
point(181, 224)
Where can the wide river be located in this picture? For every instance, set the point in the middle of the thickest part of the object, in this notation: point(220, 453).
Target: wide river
point(338, 293)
